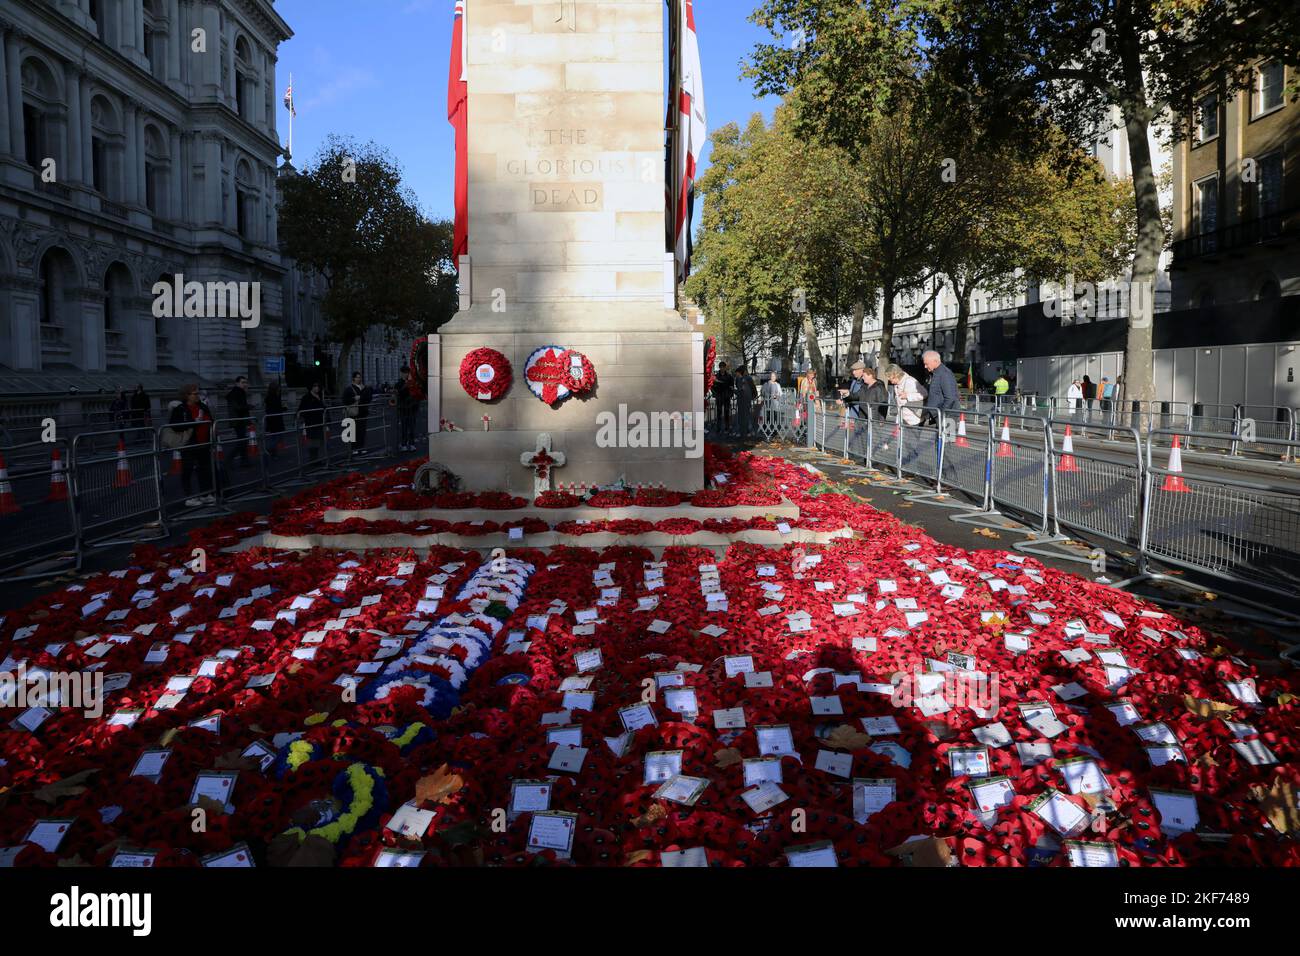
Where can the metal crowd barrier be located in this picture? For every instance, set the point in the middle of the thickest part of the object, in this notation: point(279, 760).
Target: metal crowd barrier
point(240, 461)
point(38, 520)
point(189, 480)
point(1099, 495)
point(1234, 530)
point(118, 495)
point(966, 464)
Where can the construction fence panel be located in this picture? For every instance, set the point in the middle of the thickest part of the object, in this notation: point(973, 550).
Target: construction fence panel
point(188, 477)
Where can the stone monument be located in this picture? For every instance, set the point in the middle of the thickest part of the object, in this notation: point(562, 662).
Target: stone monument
point(567, 248)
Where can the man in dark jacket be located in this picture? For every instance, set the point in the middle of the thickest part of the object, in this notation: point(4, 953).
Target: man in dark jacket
point(311, 419)
point(723, 387)
point(745, 394)
point(141, 407)
point(867, 396)
point(240, 417)
point(943, 395)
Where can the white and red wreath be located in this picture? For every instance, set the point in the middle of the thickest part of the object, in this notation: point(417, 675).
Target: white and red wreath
point(485, 374)
point(554, 373)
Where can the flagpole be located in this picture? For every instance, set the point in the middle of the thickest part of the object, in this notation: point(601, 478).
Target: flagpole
point(291, 112)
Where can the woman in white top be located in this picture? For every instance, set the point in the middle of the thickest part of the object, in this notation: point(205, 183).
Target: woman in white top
point(907, 395)
point(1075, 395)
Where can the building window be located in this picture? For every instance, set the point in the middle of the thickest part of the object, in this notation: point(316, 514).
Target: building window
point(34, 133)
point(1207, 118)
point(1205, 209)
point(99, 165)
point(1269, 185)
point(1268, 88)
point(1269, 289)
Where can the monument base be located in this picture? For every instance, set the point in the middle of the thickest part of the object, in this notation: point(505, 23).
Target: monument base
point(649, 368)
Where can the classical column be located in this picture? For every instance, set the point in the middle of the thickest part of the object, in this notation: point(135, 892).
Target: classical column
point(131, 166)
point(75, 173)
point(87, 131)
point(14, 83)
point(213, 210)
point(5, 27)
point(137, 10)
point(177, 39)
point(174, 177)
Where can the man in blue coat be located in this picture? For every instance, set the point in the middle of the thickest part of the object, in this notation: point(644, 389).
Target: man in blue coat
point(943, 395)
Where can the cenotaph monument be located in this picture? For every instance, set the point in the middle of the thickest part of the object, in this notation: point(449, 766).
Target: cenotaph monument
point(567, 210)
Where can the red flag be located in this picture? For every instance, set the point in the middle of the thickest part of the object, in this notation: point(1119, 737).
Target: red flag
point(458, 116)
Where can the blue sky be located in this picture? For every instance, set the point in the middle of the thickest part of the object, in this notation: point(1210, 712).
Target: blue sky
point(377, 70)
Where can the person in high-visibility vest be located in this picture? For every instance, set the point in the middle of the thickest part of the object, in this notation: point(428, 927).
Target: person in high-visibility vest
point(1001, 386)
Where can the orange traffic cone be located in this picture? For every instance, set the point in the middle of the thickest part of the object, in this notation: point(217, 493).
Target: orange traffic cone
point(303, 439)
point(961, 432)
point(58, 480)
point(1066, 461)
point(123, 466)
point(1174, 480)
point(178, 465)
point(252, 440)
point(8, 503)
point(1004, 445)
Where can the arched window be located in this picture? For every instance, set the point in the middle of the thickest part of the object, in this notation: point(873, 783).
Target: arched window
point(42, 114)
point(58, 276)
point(245, 201)
point(245, 82)
point(117, 294)
point(1268, 288)
point(107, 144)
point(157, 173)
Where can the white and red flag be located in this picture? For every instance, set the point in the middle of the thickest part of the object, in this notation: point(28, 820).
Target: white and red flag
point(692, 131)
point(458, 116)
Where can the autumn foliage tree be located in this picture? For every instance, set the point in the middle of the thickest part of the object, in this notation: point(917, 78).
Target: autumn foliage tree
point(348, 217)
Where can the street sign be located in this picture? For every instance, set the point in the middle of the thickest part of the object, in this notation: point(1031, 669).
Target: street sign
point(273, 366)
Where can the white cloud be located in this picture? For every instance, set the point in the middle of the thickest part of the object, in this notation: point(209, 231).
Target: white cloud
point(345, 82)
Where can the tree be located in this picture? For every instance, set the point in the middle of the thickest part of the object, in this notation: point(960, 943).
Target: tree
point(349, 218)
point(1036, 217)
point(1026, 65)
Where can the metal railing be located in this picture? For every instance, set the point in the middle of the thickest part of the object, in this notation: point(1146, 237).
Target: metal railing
point(38, 522)
point(128, 484)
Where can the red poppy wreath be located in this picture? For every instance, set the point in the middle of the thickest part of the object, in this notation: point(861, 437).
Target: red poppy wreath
point(554, 373)
point(485, 374)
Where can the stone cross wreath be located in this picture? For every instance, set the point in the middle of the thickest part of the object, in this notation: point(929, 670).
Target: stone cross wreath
point(542, 460)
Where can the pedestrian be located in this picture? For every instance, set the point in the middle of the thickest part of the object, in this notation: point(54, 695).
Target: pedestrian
point(1089, 394)
point(273, 408)
point(723, 389)
point(141, 407)
point(1000, 385)
point(1107, 393)
point(193, 416)
point(1074, 395)
point(943, 395)
point(311, 419)
point(808, 386)
point(408, 408)
point(852, 397)
point(237, 407)
point(356, 401)
point(119, 413)
point(745, 395)
point(908, 395)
